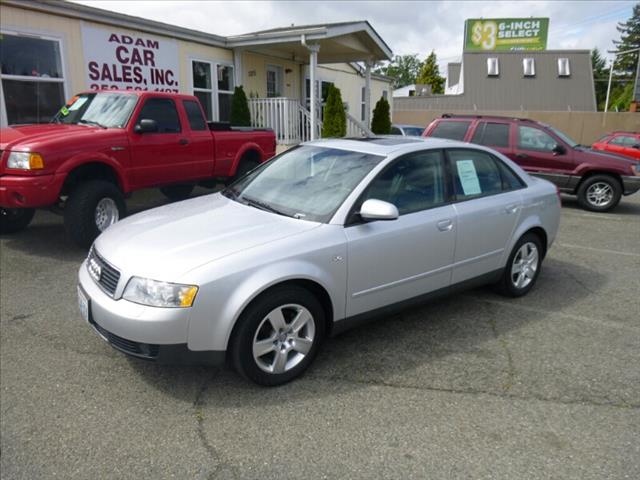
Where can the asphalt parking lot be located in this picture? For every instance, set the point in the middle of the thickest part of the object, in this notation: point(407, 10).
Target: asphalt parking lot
point(473, 386)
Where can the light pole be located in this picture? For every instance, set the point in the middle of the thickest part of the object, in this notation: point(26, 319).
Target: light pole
point(615, 55)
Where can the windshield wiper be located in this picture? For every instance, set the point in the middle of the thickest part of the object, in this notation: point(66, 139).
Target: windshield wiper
point(91, 122)
point(262, 205)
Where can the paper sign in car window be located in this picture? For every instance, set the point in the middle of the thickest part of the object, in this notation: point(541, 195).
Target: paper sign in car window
point(77, 104)
point(468, 177)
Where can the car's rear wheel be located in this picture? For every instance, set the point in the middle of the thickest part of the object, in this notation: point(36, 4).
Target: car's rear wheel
point(177, 192)
point(92, 208)
point(523, 267)
point(278, 336)
point(599, 193)
point(15, 219)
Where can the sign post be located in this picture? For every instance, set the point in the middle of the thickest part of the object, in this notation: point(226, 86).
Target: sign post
point(486, 34)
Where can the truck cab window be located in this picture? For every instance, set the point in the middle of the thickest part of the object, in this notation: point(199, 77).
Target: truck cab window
point(194, 115)
point(164, 112)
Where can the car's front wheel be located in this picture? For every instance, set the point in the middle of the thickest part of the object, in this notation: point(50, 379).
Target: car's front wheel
point(278, 336)
point(523, 267)
point(599, 193)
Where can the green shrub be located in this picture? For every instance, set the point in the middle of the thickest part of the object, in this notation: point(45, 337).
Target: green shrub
point(240, 114)
point(381, 122)
point(335, 120)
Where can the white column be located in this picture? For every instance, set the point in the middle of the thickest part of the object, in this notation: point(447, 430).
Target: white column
point(313, 65)
point(237, 67)
point(367, 94)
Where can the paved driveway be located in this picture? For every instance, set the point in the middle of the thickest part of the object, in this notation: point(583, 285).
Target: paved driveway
point(475, 386)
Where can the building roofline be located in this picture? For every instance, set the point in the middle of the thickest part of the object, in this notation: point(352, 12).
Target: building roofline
point(524, 52)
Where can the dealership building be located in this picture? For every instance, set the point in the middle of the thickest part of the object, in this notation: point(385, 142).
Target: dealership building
point(51, 50)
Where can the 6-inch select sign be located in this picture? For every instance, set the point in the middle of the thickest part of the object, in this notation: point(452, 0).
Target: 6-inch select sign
point(505, 34)
point(115, 60)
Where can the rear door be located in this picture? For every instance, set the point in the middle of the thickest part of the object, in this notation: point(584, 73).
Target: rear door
point(488, 202)
point(534, 152)
point(201, 148)
point(162, 156)
point(624, 144)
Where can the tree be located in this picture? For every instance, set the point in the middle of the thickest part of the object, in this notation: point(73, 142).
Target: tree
point(625, 65)
point(240, 114)
point(381, 122)
point(335, 119)
point(403, 69)
point(600, 77)
point(430, 74)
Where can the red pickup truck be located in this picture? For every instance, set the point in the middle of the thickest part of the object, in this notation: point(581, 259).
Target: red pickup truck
point(102, 146)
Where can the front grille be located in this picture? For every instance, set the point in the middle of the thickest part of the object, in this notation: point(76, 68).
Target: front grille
point(109, 276)
point(142, 350)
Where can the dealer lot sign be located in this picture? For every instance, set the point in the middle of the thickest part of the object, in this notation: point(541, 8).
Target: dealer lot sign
point(485, 34)
point(115, 60)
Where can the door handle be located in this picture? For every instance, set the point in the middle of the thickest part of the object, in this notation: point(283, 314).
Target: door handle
point(183, 141)
point(511, 209)
point(522, 155)
point(445, 225)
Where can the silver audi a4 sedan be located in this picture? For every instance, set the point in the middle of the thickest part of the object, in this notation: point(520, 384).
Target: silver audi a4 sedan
point(314, 241)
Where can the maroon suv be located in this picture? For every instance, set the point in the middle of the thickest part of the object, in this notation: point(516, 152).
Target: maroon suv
point(599, 179)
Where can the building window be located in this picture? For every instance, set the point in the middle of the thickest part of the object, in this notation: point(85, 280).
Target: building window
point(274, 81)
point(202, 86)
point(564, 69)
point(529, 67)
point(384, 95)
point(493, 67)
point(32, 78)
point(225, 92)
point(363, 105)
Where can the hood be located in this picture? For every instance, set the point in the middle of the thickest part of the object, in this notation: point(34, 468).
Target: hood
point(602, 156)
point(30, 135)
point(167, 242)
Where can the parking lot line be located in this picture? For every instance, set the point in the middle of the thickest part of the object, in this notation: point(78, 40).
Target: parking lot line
point(601, 250)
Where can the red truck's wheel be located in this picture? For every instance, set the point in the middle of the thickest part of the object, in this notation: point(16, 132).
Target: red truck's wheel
point(91, 209)
point(15, 219)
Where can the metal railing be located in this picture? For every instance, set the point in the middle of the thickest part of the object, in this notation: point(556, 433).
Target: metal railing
point(355, 128)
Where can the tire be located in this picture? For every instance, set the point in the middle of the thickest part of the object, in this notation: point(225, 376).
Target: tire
point(245, 167)
point(527, 253)
point(15, 219)
point(92, 207)
point(285, 355)
point(177, 192)
point(599, 193)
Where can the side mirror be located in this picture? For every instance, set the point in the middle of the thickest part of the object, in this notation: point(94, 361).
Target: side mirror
point(373, 209)
point(146, 125)
point(559, 149)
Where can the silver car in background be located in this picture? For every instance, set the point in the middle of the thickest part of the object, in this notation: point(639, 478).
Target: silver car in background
point(310, 243)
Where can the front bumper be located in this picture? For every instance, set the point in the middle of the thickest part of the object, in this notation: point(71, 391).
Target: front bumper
point(29, 191)
point(630, 184)
point(150, 333)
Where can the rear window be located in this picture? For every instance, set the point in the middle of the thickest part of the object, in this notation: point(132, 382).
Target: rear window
point(450, 130)
point(492, 134)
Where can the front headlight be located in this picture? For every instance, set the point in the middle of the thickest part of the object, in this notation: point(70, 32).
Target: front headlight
point(25, 161)
point(159, 294)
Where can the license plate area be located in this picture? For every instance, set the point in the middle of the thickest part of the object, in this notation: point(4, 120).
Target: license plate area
point(84, 304)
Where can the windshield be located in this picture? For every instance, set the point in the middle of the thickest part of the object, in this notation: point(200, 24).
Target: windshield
point(567, 139)
point(104, 109)
point(307, 182)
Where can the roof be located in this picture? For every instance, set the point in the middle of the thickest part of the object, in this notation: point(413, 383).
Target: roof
point(386, 145)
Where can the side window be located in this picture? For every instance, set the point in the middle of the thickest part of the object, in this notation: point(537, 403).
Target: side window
point(196, 122)
point(624, 141)
point(451, 130)
point(530, 138)
point(475, 174)
point(412, 183)
point(164, 112)
point(395, 131)
point(510, 181)
point(492, 134)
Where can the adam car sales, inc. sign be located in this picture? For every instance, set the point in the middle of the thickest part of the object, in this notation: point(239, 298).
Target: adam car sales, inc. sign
point(129, 61)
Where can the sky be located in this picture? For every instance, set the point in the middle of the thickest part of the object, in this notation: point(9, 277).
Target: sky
point(407, 27)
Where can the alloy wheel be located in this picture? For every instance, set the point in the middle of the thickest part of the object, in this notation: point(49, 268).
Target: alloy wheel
point(525, 265)
point(106, 213)
point(599, 194)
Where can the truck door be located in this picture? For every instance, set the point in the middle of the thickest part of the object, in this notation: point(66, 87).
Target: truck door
point(159, 155)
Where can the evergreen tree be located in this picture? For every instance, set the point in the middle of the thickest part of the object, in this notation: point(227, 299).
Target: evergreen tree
point(240, 114)
point(430, 74)
point(629, 39)
point(381, 122)
point(600, 77)
point(335, 119)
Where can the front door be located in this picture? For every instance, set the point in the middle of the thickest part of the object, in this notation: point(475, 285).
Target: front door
point(391, 261)
point(162, 156)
